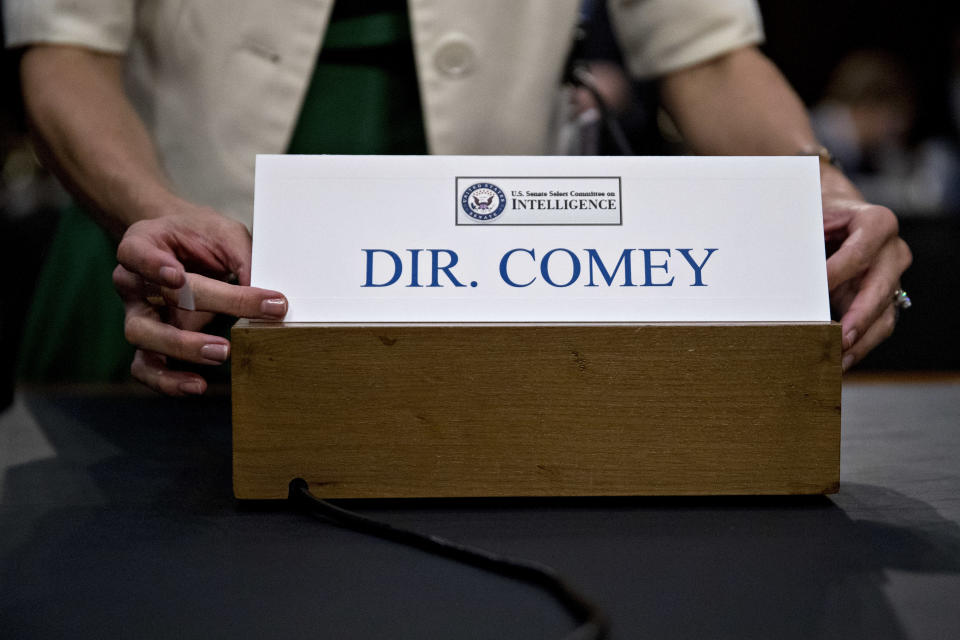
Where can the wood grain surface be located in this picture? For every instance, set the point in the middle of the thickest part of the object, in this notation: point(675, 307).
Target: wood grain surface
point(535, 410)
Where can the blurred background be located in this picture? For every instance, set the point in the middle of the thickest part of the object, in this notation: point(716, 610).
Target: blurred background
point(881, 79)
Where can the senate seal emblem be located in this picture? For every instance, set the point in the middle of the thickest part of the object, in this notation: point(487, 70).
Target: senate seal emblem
point(483, 201)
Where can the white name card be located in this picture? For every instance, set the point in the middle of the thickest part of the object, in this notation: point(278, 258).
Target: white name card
point(541, 239)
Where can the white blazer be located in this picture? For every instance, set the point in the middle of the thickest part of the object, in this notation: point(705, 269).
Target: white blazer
point(218, 81)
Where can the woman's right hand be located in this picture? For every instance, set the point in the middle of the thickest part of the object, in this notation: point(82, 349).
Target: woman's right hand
point(174, 275)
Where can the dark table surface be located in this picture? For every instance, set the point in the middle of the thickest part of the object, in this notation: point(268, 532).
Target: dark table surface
point(117, 520)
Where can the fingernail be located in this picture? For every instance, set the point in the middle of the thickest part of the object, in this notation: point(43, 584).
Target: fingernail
point(170, 276)
point(850, 338)
point(274, 307)
point(193, 388)
point(847, 361)
point(214, 351)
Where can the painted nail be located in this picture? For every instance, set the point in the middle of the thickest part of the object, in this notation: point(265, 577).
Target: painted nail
point(850, 338)
point(193, 388)
point(214, 351)
point(274, 307)
point(170, 276)
point(847, 361)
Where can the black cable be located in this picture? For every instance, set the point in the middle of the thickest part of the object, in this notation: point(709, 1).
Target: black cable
point(592, 625)
point(580, 77)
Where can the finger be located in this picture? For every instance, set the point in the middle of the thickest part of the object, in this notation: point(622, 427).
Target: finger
point(151, 369)
point(219, 243)
point(842, 297)
point(129, 285)
point(144, 329)
point(142, 256)
point(876, 289)
point(870, 229)
point(241, 250)
point(188, 320)
point(875, 334)
point(209, 294)
point(134, 290)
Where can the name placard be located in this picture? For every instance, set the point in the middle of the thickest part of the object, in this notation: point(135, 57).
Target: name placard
point(541, 239)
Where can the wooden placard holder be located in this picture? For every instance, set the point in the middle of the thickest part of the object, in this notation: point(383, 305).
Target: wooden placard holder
point(441, 410)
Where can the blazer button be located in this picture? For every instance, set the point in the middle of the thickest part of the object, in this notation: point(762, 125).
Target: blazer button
point(455, 56)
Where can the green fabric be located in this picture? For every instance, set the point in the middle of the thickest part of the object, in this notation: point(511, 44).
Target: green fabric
point(363, 96)
point(362, 99)
point(74, 329)
point(384, 25)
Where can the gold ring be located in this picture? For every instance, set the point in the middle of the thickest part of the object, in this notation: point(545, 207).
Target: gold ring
point(153, 295)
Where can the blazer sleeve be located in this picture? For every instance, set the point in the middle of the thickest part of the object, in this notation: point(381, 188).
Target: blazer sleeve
point(661, 36)
point(102, 25)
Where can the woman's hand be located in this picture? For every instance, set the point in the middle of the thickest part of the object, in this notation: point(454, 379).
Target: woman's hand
point(865, 259)
point(173, 278)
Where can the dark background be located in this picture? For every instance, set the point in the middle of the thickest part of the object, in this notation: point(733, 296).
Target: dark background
point(806, 40)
